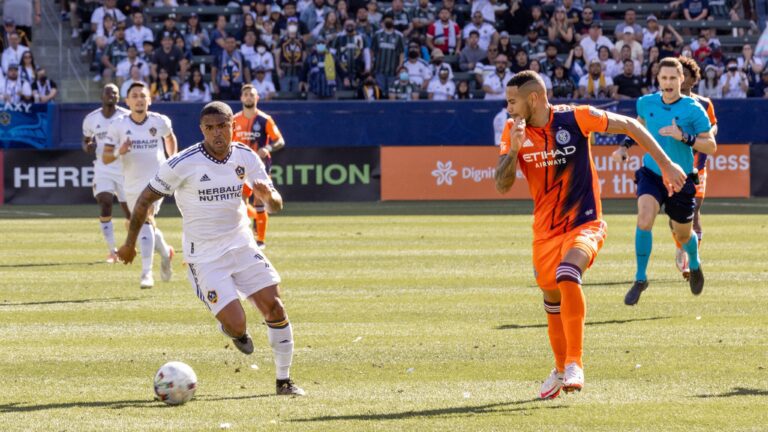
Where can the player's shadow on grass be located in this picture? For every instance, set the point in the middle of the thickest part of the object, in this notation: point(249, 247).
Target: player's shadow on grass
point(591, 323)
point(736, 391)
point(120, 404)
point(627, 283)
point(81, 301)
point(495, 408)
point(26, 265)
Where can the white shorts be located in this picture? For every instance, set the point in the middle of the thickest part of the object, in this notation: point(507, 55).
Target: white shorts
point(242, 271)
point(131, 198)
point(110, 184)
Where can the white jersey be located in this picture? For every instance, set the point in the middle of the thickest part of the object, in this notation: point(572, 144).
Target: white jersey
point(96, 126)
point(147, 147)
point(209, 194)
point(440, 91)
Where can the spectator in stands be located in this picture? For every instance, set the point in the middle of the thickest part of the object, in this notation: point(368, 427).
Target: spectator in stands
point(628, 85)
point(248, 48)
point(138, 32)
point(535, 66)
point(124, 67)
point(630, 21)
point(595, 85)
point(369, 90)
point(101, 40)
point(533, 45)
point(628, 39)
point(472, 53)
point(116, 52)
point(717, 60)
point(695, 10)
point(560, 31)
point(328, 29)
point(169, 27)
point(539, 21)
point(709, 37)
point(487, 33)
point(170, 58)
point(314, 14)
point(594, 40)
point(719, 10)
point(266, 35)
point(423, 16)
point(354, 54)
point(24, 13)
point(576, 64)
point(260, 9)
point(387, 47)
point(218, 36)
point(441, 88)
point(364, 24)
point(436, 61)
point(290, 18)
point(264, 87)
point(342, 11)
point(462, 91)
point(572, 12)
point(13, 52)
point(521, 62)
point(760, 89)
point(703, 52)
point(651, 82)
point(400, 18)
point(44, 90)
point(249, 25)
point(196, 37)
point(607, 63)
point(581, 28)
point(290, 59)
point(9, 29)
point(734, 81)
point(651, 33)
point(374, 15)
point(228, 72)
point(710, 86)
point(163, 88)
point(147, 53)
point(97, 18)
point(27, 68)
point(485, 7)
point(618, 67)
point(13, 89)
point(494, 86)
point(669, 47)
point(403, 88)
point(562, 84)
point(195, 89)
point(444, 34)
point(751, 65)
point(550, 61)
point(134, 75)
point(487, 66)
point(418, 70)
point(505, 45)
point(516, 18)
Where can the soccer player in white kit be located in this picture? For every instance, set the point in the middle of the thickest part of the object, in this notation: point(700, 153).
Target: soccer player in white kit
point(141, 140)
point(224, 260)
point(107, 179)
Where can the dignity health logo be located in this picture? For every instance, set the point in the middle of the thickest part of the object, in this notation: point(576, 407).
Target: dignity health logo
point(444, 173)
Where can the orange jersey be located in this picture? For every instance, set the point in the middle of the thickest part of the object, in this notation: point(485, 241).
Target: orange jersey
point(700, 159)
point(557, 162)
point(256, 132)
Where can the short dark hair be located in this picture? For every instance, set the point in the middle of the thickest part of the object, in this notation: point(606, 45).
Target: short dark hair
point(671, 62)
point(629, 61)
point(692, 67)
point(474, 32)
point(216, 108)
point(523, 77)
point(136, 84)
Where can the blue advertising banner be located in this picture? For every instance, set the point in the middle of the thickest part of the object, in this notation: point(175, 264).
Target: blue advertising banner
point(24, 125)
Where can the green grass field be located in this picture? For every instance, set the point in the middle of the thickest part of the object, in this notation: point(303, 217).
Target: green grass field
point(406, 317)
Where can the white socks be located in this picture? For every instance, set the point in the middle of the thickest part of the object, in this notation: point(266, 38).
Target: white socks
point(160, 245)
point(146, 247)
point(281, 340)
point(109, 234)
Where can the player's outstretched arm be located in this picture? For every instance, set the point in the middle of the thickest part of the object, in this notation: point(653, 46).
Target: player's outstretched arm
point(127, 251)
point(672, 173)
point(268, 195)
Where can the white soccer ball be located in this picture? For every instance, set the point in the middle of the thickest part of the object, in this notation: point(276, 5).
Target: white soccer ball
point(175, 383)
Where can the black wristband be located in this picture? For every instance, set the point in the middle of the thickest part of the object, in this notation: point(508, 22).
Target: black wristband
point(688, 139)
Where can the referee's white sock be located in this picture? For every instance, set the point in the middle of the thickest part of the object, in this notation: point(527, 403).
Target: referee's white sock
point(161, 246)
point(109, 234)
point(146, 246)
point(280, 336)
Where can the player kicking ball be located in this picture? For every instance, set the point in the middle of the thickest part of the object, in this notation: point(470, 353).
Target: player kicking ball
point(223, 258)
point(680, 124)
point(550, 144)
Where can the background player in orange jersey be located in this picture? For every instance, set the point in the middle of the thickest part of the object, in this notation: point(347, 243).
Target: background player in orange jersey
point(257, 130)
point(550, 145)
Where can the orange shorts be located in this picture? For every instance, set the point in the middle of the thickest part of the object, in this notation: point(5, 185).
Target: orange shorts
point(549, 253)
point(701, 188)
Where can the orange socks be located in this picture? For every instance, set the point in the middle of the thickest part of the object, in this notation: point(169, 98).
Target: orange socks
point(261, 224)
point(573, 310)
point(556, 334)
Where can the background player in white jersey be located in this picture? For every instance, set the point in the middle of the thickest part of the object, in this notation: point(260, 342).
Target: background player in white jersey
point(107, 179)
point(224, 260)
point(141, 140)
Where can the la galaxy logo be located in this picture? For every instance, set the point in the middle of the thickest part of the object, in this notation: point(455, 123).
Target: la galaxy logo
point(563, 137)
point(240, 171)
point(152, 131)
point(213, 297)
point(5, 118)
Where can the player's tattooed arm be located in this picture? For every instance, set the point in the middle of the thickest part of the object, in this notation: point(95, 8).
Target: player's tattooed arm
point(506, 171)
point(127, 251)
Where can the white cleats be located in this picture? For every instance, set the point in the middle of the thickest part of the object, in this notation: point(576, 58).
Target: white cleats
point(166, 271)
point(112, 257)
point(550, 389)
point(147, 281)
point(681, 261)
point(573, 379)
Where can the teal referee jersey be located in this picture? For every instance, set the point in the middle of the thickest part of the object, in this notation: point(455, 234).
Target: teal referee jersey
point(689, 116)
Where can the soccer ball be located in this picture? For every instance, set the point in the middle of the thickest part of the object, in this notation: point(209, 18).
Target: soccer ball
point(175, 383)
